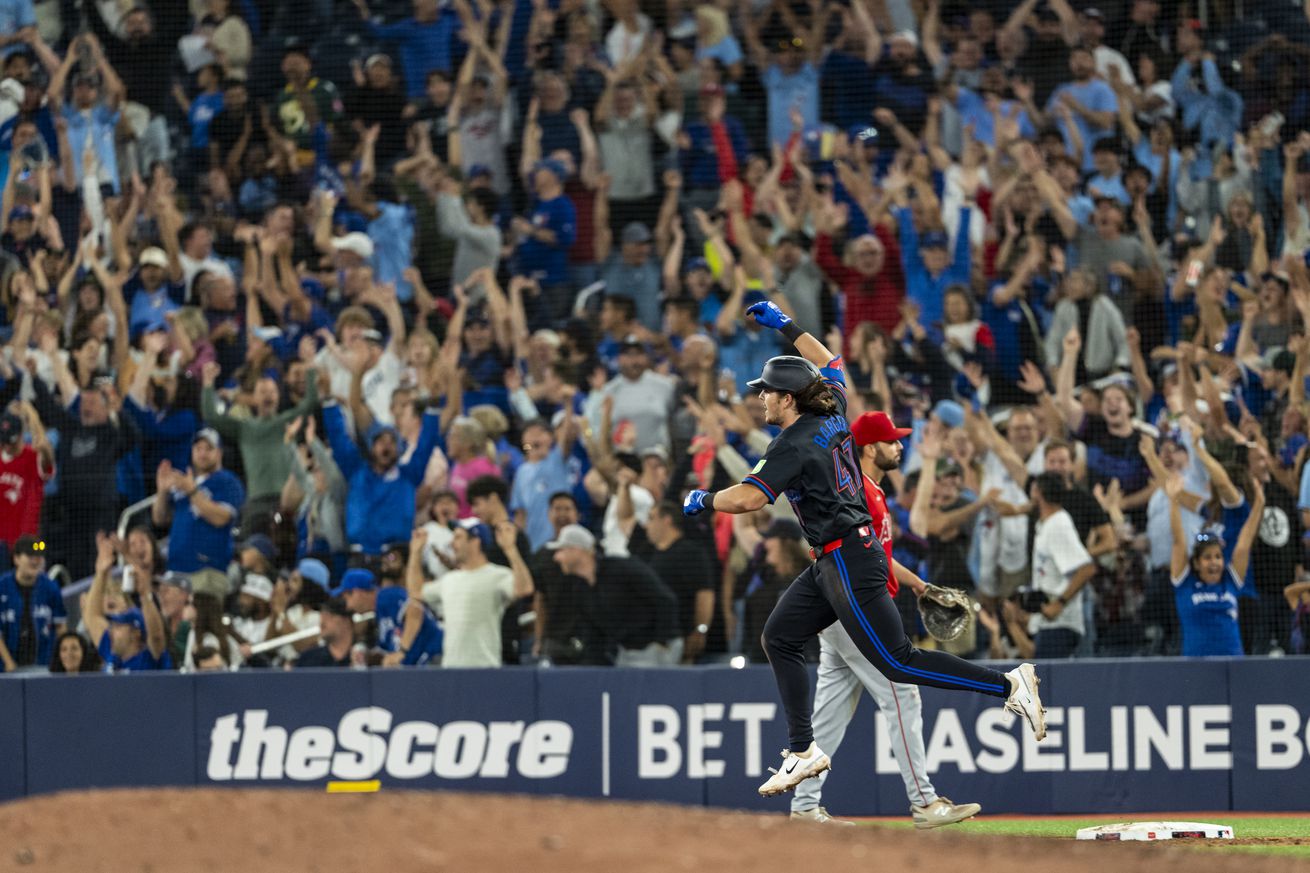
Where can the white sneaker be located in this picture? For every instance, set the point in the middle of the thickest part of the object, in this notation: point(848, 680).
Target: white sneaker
point(1024, 700)
point(795, 770)
point(941, 812)
point(819, 815)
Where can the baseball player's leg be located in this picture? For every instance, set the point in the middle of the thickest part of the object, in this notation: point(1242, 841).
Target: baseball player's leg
point(851, 578)
point(902, 709)
point(836, 696)
point(801, 613)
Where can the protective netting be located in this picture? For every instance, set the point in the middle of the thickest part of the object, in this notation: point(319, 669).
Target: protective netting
point(452, 295)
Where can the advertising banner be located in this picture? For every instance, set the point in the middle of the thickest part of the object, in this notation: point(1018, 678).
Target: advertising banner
point(1123, 736)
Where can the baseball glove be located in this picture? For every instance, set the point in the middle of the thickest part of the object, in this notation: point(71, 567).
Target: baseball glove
point(946, 612)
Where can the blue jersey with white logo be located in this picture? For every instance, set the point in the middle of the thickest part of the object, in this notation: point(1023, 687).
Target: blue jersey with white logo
point(1208, 614)
point(47, 605)
point(390, 616)
point(138, 663)
point(194, 543)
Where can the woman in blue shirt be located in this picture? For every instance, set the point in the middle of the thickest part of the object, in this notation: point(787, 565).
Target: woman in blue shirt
point(1206, 586)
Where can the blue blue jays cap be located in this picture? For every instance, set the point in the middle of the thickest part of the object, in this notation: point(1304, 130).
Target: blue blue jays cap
point(314, 570)
point(555, 167)
point(261, 543)
point(155, 325)
point(379, 430)
point(697, 264)
point(357, 579)
point(934, 239)
point(476, 528)
point(950, 412)
point(134, 617)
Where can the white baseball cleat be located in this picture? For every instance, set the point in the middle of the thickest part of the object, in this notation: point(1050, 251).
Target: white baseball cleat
point(1024, 700)
point(819, 815)
point(941, 812)
point(796, 768)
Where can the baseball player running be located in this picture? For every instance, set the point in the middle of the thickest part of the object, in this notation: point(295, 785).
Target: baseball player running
point(813, 462)
point(843, 670)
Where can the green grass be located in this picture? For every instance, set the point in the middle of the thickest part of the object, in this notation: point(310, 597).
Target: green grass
point(1065, 828)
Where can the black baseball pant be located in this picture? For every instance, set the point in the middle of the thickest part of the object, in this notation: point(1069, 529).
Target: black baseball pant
point(849, 585)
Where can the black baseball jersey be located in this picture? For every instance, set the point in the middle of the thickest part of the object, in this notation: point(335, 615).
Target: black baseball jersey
point(814, 463)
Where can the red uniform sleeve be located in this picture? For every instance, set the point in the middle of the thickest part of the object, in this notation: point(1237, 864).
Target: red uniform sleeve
point(882, 528)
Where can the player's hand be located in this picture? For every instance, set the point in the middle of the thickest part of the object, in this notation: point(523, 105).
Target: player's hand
point(1052, 609)
point(768, 314)
point(694, 504)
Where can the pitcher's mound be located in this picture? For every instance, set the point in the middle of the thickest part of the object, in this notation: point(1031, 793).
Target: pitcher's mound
point(294, 831)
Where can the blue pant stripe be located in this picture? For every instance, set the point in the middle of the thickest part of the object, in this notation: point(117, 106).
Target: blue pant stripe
point(882, 650)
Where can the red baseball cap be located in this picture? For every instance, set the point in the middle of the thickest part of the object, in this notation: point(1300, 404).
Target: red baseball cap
point(877, 427)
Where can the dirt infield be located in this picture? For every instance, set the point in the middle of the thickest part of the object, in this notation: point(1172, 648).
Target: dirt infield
point(196, 831)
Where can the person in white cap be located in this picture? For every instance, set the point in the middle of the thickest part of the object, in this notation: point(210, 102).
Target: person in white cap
point(201, 506)
point(155, 290)
point(354, 249)
point(255, 608)
point(634, 618)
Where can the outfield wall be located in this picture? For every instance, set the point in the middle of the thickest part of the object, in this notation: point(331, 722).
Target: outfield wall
point(1123, 736)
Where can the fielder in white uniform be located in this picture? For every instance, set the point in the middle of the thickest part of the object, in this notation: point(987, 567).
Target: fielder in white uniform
point(843, 671)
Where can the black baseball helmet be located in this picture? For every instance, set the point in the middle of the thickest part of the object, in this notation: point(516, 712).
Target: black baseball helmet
point(786, 373)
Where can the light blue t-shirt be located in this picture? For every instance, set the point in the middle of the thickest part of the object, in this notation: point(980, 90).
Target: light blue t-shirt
point(14, 16)
point(726, 51)
point(150, 307)
point(800, 89)
point(1095, 95)
point(392, 233)
point(1110, 186)
point(1303, 500)
point(746, 352)
point(534, 483)
point(97, 123)
point(973, 110)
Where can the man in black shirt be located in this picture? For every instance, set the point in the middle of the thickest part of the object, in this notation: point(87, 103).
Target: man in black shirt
point(684, 567)
point(1275, 561)
point(1089, 519)
point(93, 436)
point(435, 110)
point(562, 511)
point(234, 130)
point(813, 462)
point(624, 608)
point(337, 628)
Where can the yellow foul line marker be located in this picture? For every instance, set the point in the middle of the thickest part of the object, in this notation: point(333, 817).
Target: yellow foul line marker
point(369, 787)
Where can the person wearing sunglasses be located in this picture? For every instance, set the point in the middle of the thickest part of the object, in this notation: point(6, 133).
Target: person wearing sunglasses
point(1206, 585)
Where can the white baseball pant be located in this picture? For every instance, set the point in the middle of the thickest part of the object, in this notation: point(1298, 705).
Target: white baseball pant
point(842, 670)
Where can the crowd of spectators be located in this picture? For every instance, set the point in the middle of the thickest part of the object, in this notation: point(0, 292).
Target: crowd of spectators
point(406, 327)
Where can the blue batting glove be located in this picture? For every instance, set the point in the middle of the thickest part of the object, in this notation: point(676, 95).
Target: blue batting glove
point(694, 503)
point(768, 314)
